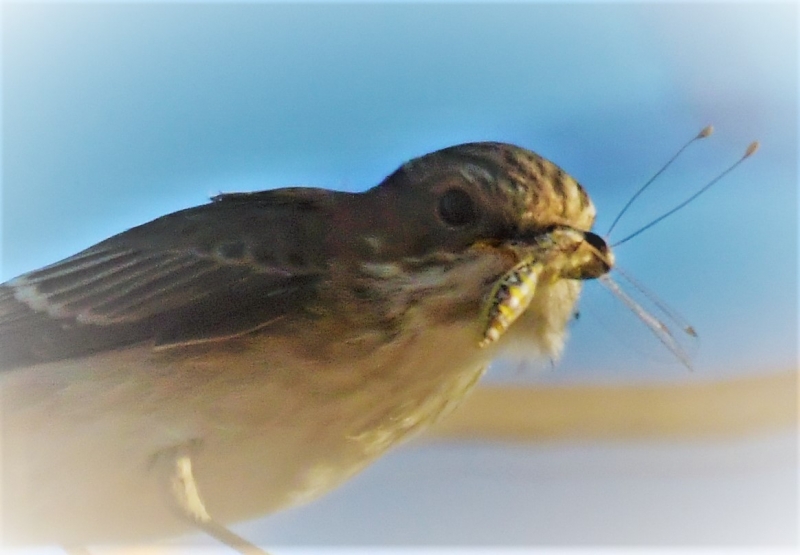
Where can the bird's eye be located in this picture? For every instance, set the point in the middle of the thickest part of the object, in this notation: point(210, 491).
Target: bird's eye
point(456, 208)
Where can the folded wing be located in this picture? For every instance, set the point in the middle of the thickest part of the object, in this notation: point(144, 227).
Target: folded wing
point(204, 274)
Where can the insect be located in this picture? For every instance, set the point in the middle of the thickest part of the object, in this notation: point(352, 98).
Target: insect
point(514, 291)
point(510, 298)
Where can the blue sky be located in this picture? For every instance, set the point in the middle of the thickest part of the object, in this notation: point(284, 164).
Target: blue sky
point(116, 114)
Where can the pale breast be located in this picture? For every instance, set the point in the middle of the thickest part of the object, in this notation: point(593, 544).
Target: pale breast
point(271, 428)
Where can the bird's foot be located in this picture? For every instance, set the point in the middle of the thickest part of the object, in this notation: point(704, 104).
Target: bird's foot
point(185, 497)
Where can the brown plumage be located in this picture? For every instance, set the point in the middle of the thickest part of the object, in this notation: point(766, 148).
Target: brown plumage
point(286, 337)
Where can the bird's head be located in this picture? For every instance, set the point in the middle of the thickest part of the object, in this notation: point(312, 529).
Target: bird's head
point(460, 225)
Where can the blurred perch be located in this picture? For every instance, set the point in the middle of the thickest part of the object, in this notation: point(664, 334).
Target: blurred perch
point(721, 409)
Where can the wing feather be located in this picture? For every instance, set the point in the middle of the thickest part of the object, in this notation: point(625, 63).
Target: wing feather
point(203, 274)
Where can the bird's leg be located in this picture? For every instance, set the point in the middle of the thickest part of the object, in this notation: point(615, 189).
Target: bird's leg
point(184, 494)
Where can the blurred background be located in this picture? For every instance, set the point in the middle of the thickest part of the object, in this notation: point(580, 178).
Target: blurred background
point(116, 113)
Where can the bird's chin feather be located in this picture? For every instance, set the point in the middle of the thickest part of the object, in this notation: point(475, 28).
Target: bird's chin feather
point(542, 330)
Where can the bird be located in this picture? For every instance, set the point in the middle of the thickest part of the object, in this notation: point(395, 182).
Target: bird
point(254, 352)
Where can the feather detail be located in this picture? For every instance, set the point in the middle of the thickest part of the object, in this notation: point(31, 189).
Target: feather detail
point(209, 273)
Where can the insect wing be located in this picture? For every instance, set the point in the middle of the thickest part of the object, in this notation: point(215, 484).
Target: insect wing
point(672, 337)
point(684, 325)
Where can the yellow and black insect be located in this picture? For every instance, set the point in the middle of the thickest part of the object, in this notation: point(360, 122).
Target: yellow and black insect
point(513, 292)
point(510, 298)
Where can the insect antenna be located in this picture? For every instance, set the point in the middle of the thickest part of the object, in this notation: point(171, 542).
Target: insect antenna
point(705, 132)
point(661, 330)
point(751, 149)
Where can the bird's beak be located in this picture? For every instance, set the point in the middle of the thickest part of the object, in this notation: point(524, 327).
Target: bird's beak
point(570, 253)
